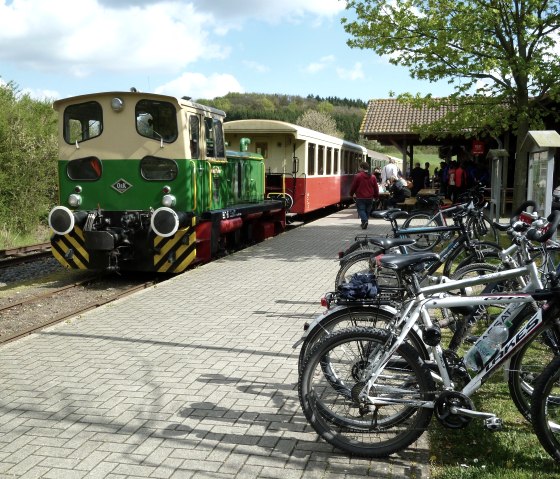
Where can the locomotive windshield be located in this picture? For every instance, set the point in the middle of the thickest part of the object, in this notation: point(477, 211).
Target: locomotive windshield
point(156, 120)
point(155, 168)
point(88, 168)
point(82, 122)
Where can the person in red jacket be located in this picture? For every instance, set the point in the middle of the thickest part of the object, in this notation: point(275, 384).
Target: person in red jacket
point(364, 189)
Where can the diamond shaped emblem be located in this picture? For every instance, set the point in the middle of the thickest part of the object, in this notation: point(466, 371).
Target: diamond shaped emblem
point(121, 185)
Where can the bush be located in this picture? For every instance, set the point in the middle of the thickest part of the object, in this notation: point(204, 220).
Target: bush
point(28, 161)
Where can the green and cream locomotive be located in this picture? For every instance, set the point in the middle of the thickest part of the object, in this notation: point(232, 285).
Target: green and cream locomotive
point(146, 184)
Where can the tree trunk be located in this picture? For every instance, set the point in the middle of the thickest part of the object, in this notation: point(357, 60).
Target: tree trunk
point(521, 166)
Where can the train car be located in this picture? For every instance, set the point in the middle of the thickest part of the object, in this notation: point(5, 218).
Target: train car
point(309, 169)
point(146, 184)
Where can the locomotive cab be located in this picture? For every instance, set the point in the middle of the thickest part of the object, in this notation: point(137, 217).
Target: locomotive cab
point(145, 185)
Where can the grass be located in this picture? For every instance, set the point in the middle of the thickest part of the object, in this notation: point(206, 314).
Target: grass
point(475, 452)
point(10, 239)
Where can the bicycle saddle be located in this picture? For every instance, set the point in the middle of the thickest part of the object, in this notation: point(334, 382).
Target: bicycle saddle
point(401, 261)
point(382, 214)
point(387, 243)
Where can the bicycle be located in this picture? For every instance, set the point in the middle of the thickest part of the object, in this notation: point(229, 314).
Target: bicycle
point(360, 384)
point(459, 252)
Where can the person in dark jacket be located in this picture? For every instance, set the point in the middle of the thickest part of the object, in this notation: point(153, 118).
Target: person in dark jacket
point(364, 189)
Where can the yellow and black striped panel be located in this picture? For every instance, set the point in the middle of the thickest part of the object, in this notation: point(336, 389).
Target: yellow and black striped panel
point(177, 252)
point(70, 249)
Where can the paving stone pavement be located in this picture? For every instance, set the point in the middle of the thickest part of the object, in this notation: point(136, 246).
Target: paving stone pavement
point(193, 378)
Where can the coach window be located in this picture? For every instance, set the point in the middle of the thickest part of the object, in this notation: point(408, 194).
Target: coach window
point(158, 169)
point(262, 149)
point(82, 122)
point(329, 160)
point(321, 160)
point(194, 133)
point(311, 159)
point(156, 120)
point(336, 163)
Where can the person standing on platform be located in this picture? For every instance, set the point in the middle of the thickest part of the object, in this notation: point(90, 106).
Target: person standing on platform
point(390, 169)
point(365, 189)
point(418, 176)
point(427, 182)
point(460, 180)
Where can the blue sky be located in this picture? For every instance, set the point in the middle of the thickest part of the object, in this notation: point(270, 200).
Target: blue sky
point(199, 48)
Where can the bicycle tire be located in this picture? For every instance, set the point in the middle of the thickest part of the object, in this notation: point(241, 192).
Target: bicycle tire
point(364, 262)
point(370, 317)
point(526, 366)
point(340, 419)
point(545, 408)
point(488, 252)
point(482, 228)
point(422, 219)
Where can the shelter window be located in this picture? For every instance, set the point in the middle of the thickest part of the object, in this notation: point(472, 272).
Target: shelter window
point(155, 168)
point(84, 169)
point(311, 159)
point(194, 126)
point(82, 122)
point(214, 135)
point(156, 120)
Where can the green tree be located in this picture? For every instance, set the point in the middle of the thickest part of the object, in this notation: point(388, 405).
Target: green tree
point(315, 120)
point(498, 55)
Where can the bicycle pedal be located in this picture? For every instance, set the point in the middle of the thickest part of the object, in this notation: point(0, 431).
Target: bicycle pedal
point(494, 424)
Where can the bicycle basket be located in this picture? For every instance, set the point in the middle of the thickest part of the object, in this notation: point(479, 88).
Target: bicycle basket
point(360, 286)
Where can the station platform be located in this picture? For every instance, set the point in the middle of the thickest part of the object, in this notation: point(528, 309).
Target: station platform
point(193, 378)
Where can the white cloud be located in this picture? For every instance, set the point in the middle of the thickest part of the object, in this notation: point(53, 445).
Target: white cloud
point(320, 65)
point(46, 95)
point(84, 37)
point(355, 73)
point(197, 85)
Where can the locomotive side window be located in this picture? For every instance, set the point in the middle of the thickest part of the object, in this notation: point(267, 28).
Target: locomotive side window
point(155, 168)
point(194, 133)
point(156, 120)
point(88, 168)
point(214, 135)
point(82, 122)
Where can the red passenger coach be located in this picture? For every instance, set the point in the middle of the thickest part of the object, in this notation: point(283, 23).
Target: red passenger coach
point(310, 170)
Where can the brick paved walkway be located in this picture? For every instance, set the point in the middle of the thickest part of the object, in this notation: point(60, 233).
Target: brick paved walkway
point(195, 377)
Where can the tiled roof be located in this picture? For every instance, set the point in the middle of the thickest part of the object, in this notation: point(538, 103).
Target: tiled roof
point(391, 116)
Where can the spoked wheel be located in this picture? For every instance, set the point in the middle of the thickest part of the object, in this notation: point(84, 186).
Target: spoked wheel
point(364, 262)
point(426, 240)
point(389, 418)
point(545, 408)
point(526, 366)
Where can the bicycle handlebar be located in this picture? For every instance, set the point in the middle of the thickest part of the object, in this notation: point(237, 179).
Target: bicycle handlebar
point(541, 236)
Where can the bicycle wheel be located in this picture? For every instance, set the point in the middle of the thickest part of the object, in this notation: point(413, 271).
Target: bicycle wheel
point(481, 227)
point(422, 219)
point(364, 262)
point(370, 317)
point(339, 416)
point(545, 408)
point(526, 366)
point(481, 252)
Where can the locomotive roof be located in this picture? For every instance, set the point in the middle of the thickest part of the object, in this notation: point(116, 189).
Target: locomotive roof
point(276, 126)
point(179, 102)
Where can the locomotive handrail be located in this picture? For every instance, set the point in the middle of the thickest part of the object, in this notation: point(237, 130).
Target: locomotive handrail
point(193, 183)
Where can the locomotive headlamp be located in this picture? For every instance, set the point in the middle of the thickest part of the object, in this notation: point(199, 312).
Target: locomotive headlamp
point(117, 104)
point(165, 222)
point(62, 220)
point(74, 200)
point(168, 200)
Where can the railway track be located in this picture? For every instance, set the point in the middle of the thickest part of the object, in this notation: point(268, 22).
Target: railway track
point(73, 312)
point(14, 256)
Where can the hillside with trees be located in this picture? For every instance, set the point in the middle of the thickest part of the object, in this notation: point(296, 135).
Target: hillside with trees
point(347, 114)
